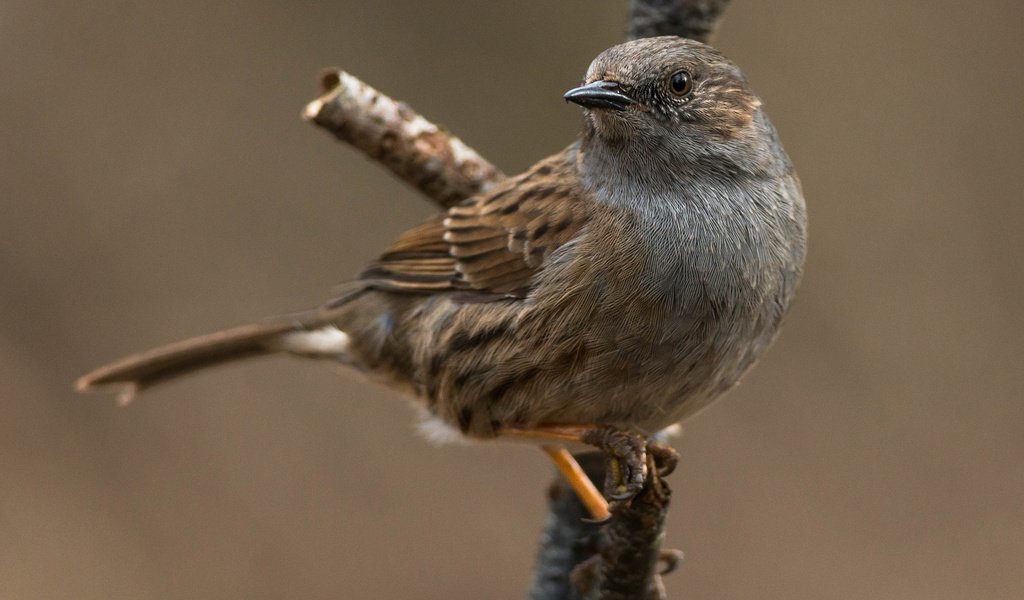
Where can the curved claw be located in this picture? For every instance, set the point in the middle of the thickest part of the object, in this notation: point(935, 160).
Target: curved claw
point(602, 521)
point(672, 559)
point(623, 496)
point(665, 457)
point(667, 468)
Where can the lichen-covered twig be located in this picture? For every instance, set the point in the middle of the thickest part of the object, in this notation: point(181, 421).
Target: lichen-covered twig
point(419, 152)
point(694, 19)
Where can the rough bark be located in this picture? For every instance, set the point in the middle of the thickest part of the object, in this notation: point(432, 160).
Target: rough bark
point(580, 560)
point(419, 152)
point(694, 19)
point(568, 538)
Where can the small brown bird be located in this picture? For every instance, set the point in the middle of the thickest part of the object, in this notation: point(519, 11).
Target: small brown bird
point(626, 281)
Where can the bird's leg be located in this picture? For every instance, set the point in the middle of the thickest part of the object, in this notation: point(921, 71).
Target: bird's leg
point(628, 455)
point(592, 499)
point(585, 489)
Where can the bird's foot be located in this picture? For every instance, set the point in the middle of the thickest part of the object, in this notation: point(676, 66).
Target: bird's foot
point(626, 456)
point(632, 462)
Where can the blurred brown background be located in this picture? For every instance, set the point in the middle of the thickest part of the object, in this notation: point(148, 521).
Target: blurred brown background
point(156, 182)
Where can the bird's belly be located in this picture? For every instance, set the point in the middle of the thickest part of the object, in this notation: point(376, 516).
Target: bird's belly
point(643, 364)
point(654, 361)
point(642, 379)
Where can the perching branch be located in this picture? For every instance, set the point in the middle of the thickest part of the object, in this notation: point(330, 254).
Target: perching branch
point(419, 152)
point(577, 560)
point(694, 19)
point(568, 538)
point(630, 548)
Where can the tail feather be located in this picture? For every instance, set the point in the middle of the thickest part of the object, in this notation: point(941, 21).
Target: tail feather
point(143, 370)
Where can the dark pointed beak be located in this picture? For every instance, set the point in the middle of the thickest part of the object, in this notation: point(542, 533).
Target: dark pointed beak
point(600, 94)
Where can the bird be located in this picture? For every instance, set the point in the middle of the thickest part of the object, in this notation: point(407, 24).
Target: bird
point(621, 284)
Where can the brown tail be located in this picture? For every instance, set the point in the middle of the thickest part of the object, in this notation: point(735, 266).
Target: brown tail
point(146, 369)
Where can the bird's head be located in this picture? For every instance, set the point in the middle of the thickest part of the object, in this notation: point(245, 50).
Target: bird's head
point(667, 93)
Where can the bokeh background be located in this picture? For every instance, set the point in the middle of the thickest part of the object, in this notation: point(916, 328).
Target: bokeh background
point(156, 182)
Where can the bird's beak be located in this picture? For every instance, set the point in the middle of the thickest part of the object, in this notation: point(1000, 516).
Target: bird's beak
point(599, 94)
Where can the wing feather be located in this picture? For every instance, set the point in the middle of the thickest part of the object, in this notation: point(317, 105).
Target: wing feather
point(493, 243)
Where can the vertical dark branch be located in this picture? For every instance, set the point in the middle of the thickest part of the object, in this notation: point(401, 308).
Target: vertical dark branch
point(694, 19)
point(613, 561)
point(568, 539)
point(630, 548)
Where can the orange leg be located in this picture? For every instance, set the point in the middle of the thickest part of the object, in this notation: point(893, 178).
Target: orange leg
point(585, 489)
point(628, 454)
point(596, 505)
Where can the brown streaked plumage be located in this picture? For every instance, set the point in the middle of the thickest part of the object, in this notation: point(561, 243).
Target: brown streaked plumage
point(491, 244)
point(628, 280)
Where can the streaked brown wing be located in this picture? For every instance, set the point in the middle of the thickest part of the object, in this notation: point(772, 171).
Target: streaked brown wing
point(492, 243)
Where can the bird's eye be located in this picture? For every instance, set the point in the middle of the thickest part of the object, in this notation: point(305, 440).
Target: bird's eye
point(680, 83)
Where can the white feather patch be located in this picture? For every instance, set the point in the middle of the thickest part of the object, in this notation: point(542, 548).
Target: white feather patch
point(436, 431)
point(326, 341)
